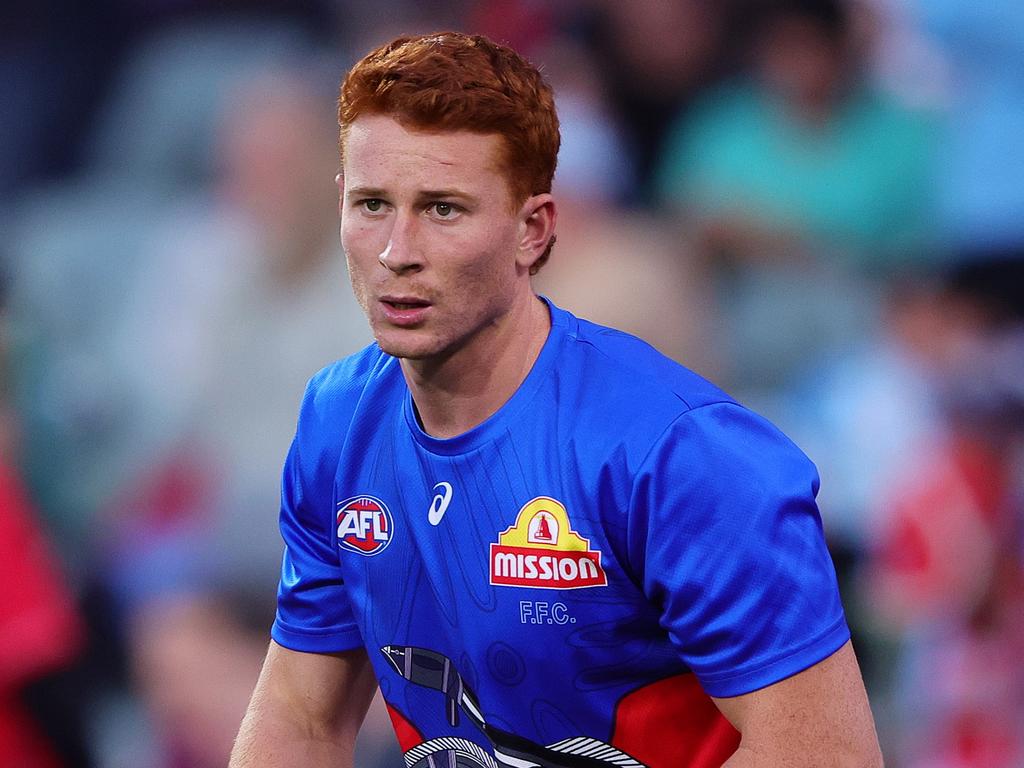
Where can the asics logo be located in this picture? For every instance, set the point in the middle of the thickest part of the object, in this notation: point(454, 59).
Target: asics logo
point(439, 504)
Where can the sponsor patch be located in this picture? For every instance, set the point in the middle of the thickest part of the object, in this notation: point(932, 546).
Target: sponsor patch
point(541, 550)
point(365, 525)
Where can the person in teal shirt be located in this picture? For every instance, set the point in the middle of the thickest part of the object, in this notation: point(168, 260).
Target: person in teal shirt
point(803, 156)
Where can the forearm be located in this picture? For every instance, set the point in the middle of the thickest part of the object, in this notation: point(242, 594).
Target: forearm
point(818, 718)
point(267, 739)
point(306, 710)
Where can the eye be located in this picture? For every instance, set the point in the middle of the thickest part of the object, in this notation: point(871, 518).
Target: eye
point(373, 205)
point(443, 210)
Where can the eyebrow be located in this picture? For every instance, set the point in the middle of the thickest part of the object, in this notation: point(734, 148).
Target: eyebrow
point(424, 194)
point(364, 192)
point(436, 193)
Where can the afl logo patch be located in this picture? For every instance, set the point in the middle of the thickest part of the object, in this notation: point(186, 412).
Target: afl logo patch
point(365, 525)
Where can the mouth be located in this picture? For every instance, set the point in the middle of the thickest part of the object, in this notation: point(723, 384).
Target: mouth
point(404, 311)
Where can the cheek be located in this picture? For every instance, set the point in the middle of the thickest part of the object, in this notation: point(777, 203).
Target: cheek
point(490, 255)
point(358, 246)
point(354, 236)
point(361, 242)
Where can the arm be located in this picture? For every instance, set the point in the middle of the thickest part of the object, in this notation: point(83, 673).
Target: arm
point(819, 717)
point(306, 710)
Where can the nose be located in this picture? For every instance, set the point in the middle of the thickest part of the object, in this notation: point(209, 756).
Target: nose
point(402, 254)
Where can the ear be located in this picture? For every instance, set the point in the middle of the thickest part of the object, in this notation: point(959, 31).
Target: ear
point(537, 218)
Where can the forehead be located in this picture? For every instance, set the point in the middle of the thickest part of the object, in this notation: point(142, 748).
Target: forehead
point(378, 149)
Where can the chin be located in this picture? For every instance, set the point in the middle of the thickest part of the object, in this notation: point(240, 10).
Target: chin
point(404, 344)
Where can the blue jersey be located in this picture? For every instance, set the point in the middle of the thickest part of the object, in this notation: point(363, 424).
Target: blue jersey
point(566, 583)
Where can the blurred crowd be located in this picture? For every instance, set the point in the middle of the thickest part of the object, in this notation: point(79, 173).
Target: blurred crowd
point(819, 204)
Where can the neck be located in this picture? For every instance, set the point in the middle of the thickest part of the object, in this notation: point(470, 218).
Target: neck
point(460, 391)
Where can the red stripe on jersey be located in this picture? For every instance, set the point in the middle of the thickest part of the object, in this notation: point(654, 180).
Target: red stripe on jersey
point(408, 734)
point(673, 722)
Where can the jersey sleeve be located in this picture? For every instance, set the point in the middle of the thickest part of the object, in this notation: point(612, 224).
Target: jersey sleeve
point(726, 533)
point(313, 612)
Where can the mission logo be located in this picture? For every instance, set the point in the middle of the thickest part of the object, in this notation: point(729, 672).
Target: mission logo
point(541, 550)
point(365, 525)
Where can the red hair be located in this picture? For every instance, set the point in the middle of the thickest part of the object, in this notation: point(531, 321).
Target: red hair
point(455, 82)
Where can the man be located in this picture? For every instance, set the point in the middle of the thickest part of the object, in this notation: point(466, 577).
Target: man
point(548, 544)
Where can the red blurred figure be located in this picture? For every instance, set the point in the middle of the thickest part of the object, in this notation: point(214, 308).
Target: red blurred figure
point(948, 573)
point(40, 632)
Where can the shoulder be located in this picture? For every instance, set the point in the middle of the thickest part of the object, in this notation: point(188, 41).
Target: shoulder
point(335, 392)
point(628, 369)
point(349, 377)
point(623, 391)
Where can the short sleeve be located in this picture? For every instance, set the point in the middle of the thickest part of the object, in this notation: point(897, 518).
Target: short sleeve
point(726, 534)
point(313, 612)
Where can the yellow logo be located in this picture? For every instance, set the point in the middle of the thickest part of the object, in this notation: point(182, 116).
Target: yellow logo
point(541, 550)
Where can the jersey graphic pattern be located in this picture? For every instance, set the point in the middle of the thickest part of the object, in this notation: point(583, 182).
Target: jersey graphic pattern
point(437, 672)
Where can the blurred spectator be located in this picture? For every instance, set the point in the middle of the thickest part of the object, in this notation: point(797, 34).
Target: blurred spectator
point(803, 159)
point(593, 158)
point(860, 412)
point(920, 433)
point(81, 250)
point(655, 57)
point(613, 263)
point(244, 298)
point(166, 324)
point(41, 634)
point(800, 181)
point(947, 575)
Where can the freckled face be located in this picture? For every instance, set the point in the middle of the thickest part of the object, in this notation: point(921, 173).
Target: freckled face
point(430, 236)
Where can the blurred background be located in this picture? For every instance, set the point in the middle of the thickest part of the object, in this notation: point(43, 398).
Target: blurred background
point(819, 204)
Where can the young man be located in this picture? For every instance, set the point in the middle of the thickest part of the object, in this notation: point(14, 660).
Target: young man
point(545, 542)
